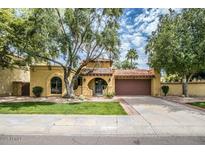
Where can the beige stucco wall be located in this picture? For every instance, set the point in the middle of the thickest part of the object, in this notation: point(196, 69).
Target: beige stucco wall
point(41, 76)
point(78, 91)
point(156, 84)
point(100, 64)
point(7, 76)
point(194, 88)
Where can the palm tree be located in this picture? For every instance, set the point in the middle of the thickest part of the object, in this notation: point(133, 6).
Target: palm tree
point(132, 56)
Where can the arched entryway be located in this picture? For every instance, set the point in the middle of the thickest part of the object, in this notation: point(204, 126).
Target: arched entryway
point(56, 85)
point(97, 85)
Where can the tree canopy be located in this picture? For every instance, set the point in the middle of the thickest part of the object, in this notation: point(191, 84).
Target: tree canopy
point(129, 62)
point(10, 27)
point(125, 64)
point(132, 56)
point(68, 37)
point(178, 44)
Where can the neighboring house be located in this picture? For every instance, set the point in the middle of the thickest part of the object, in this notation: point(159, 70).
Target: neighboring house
point(14, 82)
point(97, 79)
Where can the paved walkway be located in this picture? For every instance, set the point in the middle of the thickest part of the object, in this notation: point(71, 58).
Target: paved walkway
point(156, 117)
point(51, 99)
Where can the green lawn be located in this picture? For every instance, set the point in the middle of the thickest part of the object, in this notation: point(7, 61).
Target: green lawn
point(199, 104)
point(94, 108)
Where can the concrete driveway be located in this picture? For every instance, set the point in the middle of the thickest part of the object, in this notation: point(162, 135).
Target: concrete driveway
point(169, 118)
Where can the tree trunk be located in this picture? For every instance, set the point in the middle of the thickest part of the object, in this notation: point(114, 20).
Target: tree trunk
point(131, 63)
point(67, 84)
point(67, 95)
point(185, 82)
point(71, 86)
point(185, 86)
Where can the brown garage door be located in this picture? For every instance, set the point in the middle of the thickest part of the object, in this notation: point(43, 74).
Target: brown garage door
point(132, 87)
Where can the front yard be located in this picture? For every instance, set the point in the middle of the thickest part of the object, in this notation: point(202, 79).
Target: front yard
point(92, 108)
point(198, 104)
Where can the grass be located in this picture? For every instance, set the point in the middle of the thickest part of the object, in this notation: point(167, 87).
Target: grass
point(199, 104)
point(93, 108)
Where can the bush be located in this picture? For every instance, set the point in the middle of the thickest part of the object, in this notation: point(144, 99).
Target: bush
point(37, 91)
point(165, 90)
point(109, 95)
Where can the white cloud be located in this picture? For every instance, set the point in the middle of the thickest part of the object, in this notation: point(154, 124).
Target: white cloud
point(128, 13)
point(138, 40)
point(151, 27)
point(133, 33)
point(142, 64)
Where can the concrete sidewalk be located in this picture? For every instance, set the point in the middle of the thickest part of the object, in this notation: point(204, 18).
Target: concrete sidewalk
point(76, 125)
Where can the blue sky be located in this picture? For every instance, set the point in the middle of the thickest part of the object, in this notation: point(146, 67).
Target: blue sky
point(135, 26)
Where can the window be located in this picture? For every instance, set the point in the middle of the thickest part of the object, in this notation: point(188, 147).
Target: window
point(56, 85)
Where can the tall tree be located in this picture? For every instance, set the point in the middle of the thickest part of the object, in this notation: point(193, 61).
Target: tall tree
point(125, 64)
point(9, 28)
point(68, 37)
point(132, 56)
point(178, 44)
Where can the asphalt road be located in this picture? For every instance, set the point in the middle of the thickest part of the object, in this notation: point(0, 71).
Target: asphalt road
point(99, 140)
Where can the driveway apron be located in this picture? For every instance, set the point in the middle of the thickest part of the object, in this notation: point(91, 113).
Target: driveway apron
point(169, 118)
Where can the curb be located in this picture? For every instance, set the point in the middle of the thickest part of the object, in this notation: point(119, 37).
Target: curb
point(195, 107)
point(128, 108)
point(185, 104)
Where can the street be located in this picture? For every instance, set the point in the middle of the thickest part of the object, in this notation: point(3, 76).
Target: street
point(99, 140)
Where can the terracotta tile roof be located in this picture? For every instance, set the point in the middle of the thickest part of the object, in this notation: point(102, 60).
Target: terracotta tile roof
point(100, 60)
point(135, 72)
point(103, 59)
point(97, 71)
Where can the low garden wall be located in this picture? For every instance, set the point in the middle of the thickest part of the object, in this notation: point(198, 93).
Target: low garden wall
point(194, 88)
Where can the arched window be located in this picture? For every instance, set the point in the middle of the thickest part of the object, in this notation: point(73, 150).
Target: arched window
point(56, 85)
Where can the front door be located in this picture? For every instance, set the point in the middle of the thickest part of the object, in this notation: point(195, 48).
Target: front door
point(98, 87)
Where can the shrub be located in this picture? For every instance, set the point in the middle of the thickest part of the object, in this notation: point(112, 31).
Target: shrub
point(37, 91)
point(165, 90)
point(110, 95)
